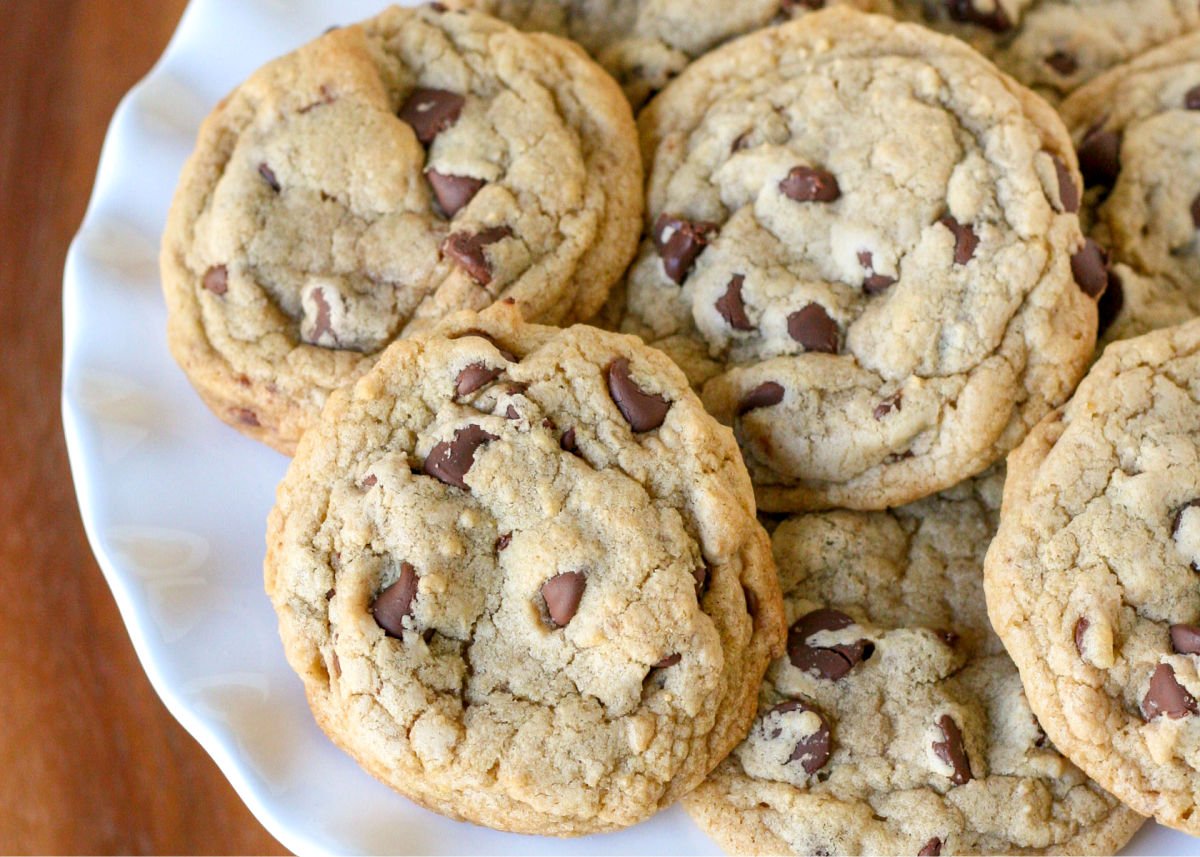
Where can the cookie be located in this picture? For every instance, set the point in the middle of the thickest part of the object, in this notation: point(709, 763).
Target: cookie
point(895, 724)
point(377, 179)
point(1055, 46)
point(860, 246)
point(1137, 129)
point(1091, 581)
point(645, 44)
point(519, 572)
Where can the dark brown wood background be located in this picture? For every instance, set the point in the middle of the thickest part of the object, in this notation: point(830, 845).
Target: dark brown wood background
point(90, 760)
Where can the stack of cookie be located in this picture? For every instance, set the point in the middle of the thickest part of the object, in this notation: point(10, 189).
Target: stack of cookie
point(730, 543)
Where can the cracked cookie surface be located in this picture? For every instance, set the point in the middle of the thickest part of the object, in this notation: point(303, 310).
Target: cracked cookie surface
point(1091, 581)
point(860, 248)
point(519, 572)
point(1137, 129)
point(377, 179)
point(896, 724)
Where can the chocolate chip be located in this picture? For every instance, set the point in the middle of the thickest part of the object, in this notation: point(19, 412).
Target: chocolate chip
point(216, 280)
point(474, 376)
point(829, 663)
point(323, 324)
point(965, 239)
point(449, 461)
point(996, 19)
point(643, 411)
point(701, 575)
point(562, 594)
point(1100, 156)
point(1185, 639)
point(503, 541)
point(764, 395)
point(731, 307)
point(370, 481)
point(1111, 303)
point(1191, 101)
point(567, 442)
point(1090, 268)
point(813, 328)
point(395, 602)
point(511, 413)
point(679, 242)
point(806, 184)
point(873, 283)
point(668, 661)
point(268, 175)
point(466, 249)
point(932, 848)
point(894, 402)
point(245, 416)
point(811, 751)
point(951, 750)
point(431, 111)
point(453, 192)
point(1068, 192)
point(1063, 62)
point(1081, 626)
point(1167, 696)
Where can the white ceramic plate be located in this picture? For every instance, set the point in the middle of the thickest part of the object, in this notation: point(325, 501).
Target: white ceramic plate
point(175, 503)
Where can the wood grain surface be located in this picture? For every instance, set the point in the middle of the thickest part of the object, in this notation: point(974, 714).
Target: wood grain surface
point(90, 760)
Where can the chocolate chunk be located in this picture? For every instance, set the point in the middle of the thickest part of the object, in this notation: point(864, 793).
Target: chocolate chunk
point(1068, 191)
point(395, 602)
point(873, 283)
point(951, 750)
point(474, 376)
point(1090, 268)
point(449, 461)
point(806, 184)
point(829, 663)
point(932, 848)
point(431, 111)
point(643, 411)
point(764, 395)
point(811, 751)
point(1167, 696)
point(567, 442)
point(965, 239)
point(268, 175)
point(1185, 639)
point(894, 402)
point(668, 661)
point(996, 19)
point(1063, 62)
point(562, 594)
point(1100, 156)
point(216, 280)
point(731, 307)
point(503, 541)
point(813, 328)
point(1111, 303)
point(453, 192)
point(1191, 101)
point(702, 575)
point(466, 249)
point(511, 413)
point(679, 242)
point(1081, 626)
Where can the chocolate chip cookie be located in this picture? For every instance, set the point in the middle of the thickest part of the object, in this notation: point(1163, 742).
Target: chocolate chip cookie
point(519, 572)
point(1137, 129)
point(895, 724)
point(860, 247)
point(373, 181)
point(1055, 46)
point(644, 44)
point(1092, 579)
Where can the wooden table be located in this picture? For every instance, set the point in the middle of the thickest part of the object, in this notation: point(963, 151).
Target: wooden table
point(90, 760)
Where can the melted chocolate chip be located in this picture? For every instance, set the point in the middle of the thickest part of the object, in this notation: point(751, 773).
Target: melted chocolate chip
point(431, 111)
point(643, 411)
point(268, 175)
point(701, 574)
point(449, 461)
point(873, 283)
point(562, 594)
point(951, 750)
point(811, 751)
point(567, 442)
point(731, 307)
point(996, 19)
point(1167, 696)
point(813, 328)
point(829, 663)
point(668, 661)
point(894, 402)
point(932, 848)
point(764, 395)
point(1081, 626)
point(1111, 303)
point(395, 602)
point(805, 184)
point(1063, 62)
point(1090, 268)
point(453, 192)
point(1068, 191)
point(1185, 639)
point(323, 323)
point(466, 249)
point(1100, 157)
point(679, 242)
point(216, 280)
point(965, 239)
point(475, 375)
